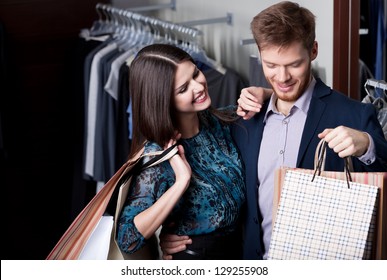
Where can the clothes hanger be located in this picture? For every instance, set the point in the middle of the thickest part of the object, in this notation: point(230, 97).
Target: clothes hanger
point(102, 26)
point(380, 88)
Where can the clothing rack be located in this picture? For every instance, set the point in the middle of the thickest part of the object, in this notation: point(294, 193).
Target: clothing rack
point(379, 89)
point(116, 20)
point(113, 19)
point(243, 42)
point(171, 5)
point(378, 97)
point(227, 19)
point(376, 84)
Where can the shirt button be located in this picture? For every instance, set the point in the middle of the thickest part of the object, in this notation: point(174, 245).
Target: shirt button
point(369, 161)
point(285, 122)
point(281, 152)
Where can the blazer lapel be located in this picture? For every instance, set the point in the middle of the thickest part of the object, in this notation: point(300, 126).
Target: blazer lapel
point(315, 113)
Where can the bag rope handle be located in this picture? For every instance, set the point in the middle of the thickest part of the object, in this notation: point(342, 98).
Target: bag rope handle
point(160, 156)
point(319, 162)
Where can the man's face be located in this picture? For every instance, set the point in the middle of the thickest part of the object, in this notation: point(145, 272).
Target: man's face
point(288, 69)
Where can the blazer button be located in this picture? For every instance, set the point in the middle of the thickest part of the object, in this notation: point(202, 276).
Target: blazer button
point(255, 220)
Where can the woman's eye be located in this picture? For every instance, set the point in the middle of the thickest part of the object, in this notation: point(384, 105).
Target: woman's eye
point(183, 89)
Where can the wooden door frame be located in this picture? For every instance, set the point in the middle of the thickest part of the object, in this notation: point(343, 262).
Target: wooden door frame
point(346, 25)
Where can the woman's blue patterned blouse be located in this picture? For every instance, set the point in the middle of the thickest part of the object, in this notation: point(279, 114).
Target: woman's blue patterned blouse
point(214, 197)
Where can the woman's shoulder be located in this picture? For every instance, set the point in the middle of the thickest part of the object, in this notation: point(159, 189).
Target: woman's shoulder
point(151, 147)
point(150, 150)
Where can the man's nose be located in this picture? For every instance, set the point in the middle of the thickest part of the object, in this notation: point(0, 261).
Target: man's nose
point(283, 74)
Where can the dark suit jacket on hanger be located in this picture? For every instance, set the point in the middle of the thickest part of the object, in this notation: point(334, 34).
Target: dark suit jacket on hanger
point(328, 109)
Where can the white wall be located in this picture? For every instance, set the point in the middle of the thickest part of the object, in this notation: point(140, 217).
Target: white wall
point(222, 41)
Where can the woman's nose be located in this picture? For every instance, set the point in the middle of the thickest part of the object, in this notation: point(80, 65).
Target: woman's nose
point(198, 87)
point(197, 90)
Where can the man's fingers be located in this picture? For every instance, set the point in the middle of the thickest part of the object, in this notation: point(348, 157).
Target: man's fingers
point(174, 244)
point(173, 237)
point(167, 257)
point(173, 250)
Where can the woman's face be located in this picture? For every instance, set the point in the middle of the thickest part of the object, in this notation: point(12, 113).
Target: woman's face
point(191, 92)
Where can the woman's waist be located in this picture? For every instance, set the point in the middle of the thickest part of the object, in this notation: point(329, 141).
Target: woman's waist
point(210, 231)
point(216, 239)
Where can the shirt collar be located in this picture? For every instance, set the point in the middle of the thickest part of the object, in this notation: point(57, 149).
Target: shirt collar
point(302, 102)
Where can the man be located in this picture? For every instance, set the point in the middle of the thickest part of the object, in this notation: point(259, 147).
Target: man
point(301, 111)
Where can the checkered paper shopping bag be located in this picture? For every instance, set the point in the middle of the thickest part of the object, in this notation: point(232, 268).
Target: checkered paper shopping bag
point(323, 218)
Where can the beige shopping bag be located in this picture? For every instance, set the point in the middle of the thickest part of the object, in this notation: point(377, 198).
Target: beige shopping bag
point(375, 246)
point(91, 229)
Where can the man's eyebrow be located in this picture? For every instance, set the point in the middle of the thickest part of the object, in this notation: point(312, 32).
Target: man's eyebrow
point(291, 63)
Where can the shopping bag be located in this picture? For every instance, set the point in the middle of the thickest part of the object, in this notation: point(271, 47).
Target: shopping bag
point(326, 215)
point(98, 244)
point(90, 228)
point(378, 233)
point(151, 250)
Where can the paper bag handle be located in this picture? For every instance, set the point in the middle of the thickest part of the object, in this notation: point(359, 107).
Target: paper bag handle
point(320, 157)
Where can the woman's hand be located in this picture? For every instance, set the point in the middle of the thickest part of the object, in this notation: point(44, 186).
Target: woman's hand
point(179, 163)
point(250, 101)
point(149, 220)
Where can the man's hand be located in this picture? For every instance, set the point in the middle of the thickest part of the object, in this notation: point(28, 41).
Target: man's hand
point(346, 141)
point(172, 243)
point(250, 101)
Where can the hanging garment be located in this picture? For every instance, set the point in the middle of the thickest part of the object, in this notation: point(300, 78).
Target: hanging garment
point(380, 103)
point(256, 75)
point(224, 89)
point(364, 74)
point(380, 33)
point(92, 107)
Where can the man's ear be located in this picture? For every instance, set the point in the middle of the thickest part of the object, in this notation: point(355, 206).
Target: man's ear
point(314, 51)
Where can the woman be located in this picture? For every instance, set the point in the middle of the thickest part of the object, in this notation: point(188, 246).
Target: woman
point(201, 190)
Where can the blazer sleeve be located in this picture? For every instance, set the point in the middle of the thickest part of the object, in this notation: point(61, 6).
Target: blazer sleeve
point(372, 126)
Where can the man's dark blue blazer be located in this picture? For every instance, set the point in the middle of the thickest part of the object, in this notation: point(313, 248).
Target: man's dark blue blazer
point(328, 109)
